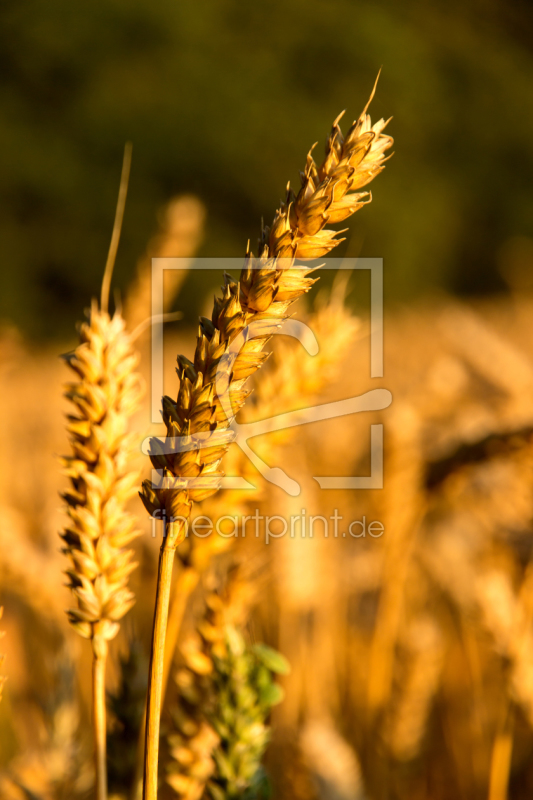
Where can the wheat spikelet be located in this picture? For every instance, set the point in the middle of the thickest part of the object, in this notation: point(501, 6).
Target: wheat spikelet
point(193, 741)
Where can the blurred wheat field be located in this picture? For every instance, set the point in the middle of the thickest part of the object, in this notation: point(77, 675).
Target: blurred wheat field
point(411, 652)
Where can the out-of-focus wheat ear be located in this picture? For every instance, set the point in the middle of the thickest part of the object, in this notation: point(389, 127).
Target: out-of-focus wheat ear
point(229, 350)
point(425, 655)
point(57, 764)
point(225, 692)
point(404, 505)
point(104, 394)
point(181, 229)
point(332, 762)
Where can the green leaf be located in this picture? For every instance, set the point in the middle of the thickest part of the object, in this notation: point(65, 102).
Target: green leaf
point(271, 695)
point(272, 659)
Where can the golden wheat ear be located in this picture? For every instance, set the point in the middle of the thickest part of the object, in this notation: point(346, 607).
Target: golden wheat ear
point(259, 301)
point(104, 394)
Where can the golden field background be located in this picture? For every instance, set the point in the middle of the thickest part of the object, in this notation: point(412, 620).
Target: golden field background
point(412, 653)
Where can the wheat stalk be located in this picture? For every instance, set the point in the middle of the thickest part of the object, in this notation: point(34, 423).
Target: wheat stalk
point(212, 386)
point(2, 657)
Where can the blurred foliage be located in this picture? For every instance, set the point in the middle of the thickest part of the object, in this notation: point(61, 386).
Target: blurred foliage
point(223, 99)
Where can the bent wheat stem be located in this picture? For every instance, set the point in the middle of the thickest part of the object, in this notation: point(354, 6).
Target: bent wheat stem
point(230, 349)
point(155, 678)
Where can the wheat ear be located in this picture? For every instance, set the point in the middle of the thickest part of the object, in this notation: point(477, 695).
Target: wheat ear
point(105, 395)
point(225, 691)
point(212, 387)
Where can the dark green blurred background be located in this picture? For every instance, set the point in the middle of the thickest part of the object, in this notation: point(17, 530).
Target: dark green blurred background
point(223, 99)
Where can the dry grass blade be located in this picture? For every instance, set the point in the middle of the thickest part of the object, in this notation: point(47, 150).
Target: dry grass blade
point(230, 349)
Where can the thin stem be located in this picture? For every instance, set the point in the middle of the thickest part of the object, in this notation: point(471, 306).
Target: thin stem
point(502, 752)
point(157, 656)
point(117, 227)
point(184, 586)
point(99, 716)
